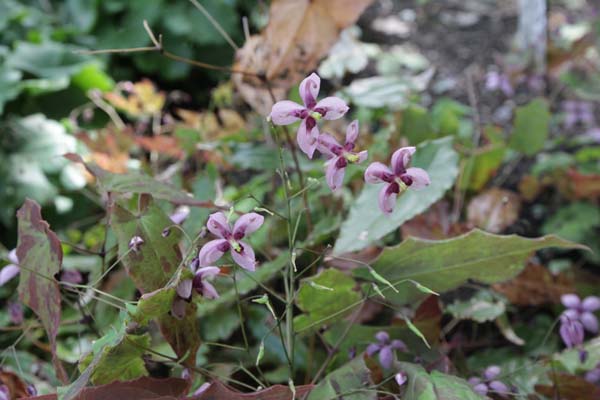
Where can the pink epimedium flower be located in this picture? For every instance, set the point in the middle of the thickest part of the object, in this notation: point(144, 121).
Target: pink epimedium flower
point(201, 283)
point(287, 112)
point(11, 270)
point(230, 239)
point(397, 179)
point(340, 156)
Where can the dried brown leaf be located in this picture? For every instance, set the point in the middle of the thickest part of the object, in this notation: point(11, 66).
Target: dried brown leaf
point(494, 210)
point(535, 286)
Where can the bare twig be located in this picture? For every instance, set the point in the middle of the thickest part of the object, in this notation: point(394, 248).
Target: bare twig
point(215, 23)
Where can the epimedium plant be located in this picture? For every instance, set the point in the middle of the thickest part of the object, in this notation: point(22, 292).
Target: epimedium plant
point(184, 281)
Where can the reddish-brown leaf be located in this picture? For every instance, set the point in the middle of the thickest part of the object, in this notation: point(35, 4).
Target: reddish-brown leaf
point(583, 186)
point(140, 389)
point(162, 144)
point(40, 259)
point(494, 210)
point(217, 390)
point(569, 387)
point(16, 387)
point(434, 224)
point(535, 286)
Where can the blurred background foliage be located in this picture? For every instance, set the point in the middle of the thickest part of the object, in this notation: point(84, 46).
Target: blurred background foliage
point(43, 77)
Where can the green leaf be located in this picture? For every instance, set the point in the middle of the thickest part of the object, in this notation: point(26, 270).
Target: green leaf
point(9, 85)
point(366, 223)
point(324, 306)
point(122, 361)
point(46, 60)
point(482, 307)
point(434, 386)
point(531, 127)
point(446, 264)
point(245, 283)
point(416, 125)
point(154, 304)
point(136, 183)
point(350, 382)
point(91, 76)
point(385, 91)
point(40, 259)
point(153, 265)
point(575, 221)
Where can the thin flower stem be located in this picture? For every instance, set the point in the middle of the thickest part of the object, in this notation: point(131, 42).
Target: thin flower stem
point(239, 310)
point(216, 24)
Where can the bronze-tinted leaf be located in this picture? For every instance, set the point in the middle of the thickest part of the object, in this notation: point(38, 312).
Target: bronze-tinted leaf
point(40, 259)
point(494, 210)
point(217, 390)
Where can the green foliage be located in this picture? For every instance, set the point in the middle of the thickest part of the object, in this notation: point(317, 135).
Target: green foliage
point(531, 127)
point(434, 386)
point(481, 307)
point(446, 264)
point(365, 223)
point(350, 381)
point(325, 298)
point(575, 221)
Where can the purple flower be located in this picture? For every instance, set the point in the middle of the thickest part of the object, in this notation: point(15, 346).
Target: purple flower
point(582, 311)
point(71, 276)
point(135, 243)
point(4, 392)
point(397, 179)
point(203, 388)
point(340, 156)
point(11, 270)
point(230, 240)
point(286, 112)
point(385, 348)
point(575, 112)
point(489, 383)
point(499, 81)
point(593, 375)
point(400, 378)
point(201, 283)
point(571, 331)
point(180, 214)
point(15, 311)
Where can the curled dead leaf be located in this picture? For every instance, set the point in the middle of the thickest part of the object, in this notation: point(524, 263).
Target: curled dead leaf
point(298, 35)
point(494, 210)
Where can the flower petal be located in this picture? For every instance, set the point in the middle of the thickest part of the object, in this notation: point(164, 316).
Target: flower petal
point(286, 112)
point(208, 272)
point(377, 173)
point(481, 389)
point(307, 136)
point(309, 90)
point(401, 159)
point(217, 224)
point(202, 389)
point(570, 300)
point(386, 357)
point(247, 224)
point(327, 145)
point(420, 178)
point(400, 378)
point(180, 214)
point(212, 251)
point(184, 289)
point(245, 257)
point(591, 303)
point(362, 156)
point(387, 197)
point(372, 349)
point(8, 272)
point(12, 257)
point(382, 337)
point(352, 132)
point(178, 308)
point(491, 372)
point(209, 291)
point(498, 387)
point(332, 108)
point(334, 175)
point(399, 345)
point(589, 321)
